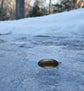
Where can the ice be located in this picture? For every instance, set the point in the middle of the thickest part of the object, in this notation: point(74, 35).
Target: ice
point(24, 42)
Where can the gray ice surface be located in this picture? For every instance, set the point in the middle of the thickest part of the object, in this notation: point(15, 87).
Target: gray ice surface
point(19, 56)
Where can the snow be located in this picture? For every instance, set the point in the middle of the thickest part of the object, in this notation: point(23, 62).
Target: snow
point(66, 23)
point(24, 42)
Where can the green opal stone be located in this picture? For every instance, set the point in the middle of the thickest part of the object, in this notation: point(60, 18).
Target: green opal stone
point(48, 63)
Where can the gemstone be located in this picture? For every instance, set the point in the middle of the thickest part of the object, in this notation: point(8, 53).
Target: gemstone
point(48, 63)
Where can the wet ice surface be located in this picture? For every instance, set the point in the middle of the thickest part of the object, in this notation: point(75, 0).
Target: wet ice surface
point(19, 56)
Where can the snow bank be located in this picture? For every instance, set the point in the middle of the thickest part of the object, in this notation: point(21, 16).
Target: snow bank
point(66, 23)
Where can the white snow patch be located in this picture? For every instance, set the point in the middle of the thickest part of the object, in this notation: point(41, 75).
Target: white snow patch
point(65, 23)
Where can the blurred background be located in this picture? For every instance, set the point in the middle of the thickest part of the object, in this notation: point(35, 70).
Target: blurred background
point(16, 9)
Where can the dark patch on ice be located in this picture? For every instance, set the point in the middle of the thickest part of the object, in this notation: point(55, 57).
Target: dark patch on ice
point(5, 33)
point(75, 44)
point(42, 36)
point(74, 48)
point(21, 39)
point(25, 46)
point(2, 41)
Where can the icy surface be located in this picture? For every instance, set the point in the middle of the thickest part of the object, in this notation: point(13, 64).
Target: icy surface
point(19, 70)
point(21, 51)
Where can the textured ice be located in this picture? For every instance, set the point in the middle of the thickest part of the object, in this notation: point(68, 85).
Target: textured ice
point(24, 42)
point(19, 70)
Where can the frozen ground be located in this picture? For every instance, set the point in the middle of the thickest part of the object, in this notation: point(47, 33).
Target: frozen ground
point(19, 56)
point(21, 51)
